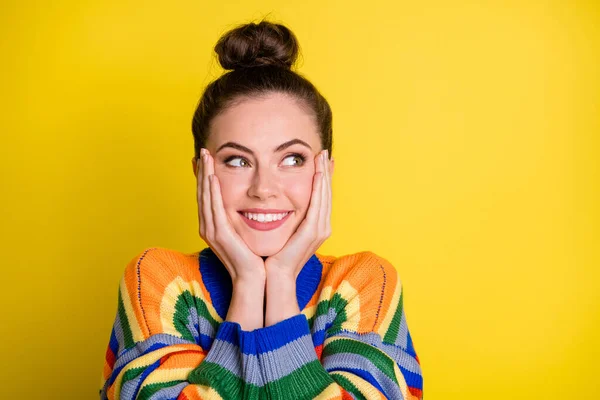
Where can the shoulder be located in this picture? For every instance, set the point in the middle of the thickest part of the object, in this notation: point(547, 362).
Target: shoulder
point(162, 262)
point(366, 285)
point(360, 268)
point(153, 281)
point(155, 268)
point(364, 273)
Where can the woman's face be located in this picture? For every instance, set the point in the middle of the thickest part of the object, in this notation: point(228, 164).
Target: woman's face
point(264, 150)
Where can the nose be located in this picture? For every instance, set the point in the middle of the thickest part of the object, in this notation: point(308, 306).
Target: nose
point(264, 184)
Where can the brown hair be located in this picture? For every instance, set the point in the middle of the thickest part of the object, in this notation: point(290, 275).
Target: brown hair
point(260, 57)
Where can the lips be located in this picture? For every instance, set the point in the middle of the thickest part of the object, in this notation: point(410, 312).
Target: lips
point(264, 211)
point(266, 225)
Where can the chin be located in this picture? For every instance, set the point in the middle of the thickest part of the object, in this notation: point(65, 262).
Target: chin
point(264, 246)
point(264, 243)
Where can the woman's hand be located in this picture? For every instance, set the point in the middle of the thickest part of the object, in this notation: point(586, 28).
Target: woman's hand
point(215, 228)
point(312, 232)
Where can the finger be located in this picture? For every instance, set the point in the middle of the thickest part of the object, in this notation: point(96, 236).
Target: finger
point(218, 210)
point(324, 196)
point(319, 163)
point(329, 190)
point(312, 215)
point(219, 217)
point(199, 190)
point(206, 197)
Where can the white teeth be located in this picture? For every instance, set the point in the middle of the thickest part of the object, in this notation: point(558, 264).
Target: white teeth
point(265, 217)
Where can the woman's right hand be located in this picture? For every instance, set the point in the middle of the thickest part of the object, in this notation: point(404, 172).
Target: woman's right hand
point(215, 229)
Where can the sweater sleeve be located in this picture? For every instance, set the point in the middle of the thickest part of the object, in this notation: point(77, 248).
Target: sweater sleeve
point(161, 344)
point(366, 351)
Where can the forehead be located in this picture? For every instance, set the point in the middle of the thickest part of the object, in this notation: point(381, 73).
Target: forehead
point(263, 123)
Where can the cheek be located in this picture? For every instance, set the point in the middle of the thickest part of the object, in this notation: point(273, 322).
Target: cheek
point(298, 190)
point(232, 190)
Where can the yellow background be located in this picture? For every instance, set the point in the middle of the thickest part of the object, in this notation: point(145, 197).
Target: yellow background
point(466, 139)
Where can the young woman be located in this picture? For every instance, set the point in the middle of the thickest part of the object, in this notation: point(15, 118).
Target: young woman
point(258, 314)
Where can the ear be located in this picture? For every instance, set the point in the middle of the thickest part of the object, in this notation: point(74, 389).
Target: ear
point(195, 166)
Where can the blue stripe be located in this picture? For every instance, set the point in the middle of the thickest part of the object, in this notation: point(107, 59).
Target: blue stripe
point(365, 375)
point(412, 379)
point(144, 374)
point(276, 336)
point(114, 343)
point(117, 370)
point(231, 332)
point(409, 345)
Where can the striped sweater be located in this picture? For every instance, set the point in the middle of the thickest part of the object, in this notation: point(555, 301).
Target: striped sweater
point(170, 340)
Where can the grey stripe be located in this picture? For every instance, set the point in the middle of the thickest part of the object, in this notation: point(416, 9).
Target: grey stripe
point(119, 334)
point(341, 361)
point(402, 338)
point(229, 356)
point(398, 354)
point(169, 392)
point(192, 321)
point(143, 346)
point(322, 321)
point(205, 328)
point(128, 390)
point(281, 362)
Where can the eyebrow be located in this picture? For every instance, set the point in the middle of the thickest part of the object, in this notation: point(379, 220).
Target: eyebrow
point(281, 147)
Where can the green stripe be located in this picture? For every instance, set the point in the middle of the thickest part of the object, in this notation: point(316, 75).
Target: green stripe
point(348, 385)
point(392, 332)
point(132, 374)
point(305, 382)
point(379, 358)
point(186, 302)
point(127, 335)
point(148, 390)
point(338, 303)
point(228, 385)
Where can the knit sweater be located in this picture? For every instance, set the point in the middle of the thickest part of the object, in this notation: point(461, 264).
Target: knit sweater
point(170, 339)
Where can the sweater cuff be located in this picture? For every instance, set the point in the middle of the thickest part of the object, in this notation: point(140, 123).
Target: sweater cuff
point(231, 332)
point(288, 361)
point(230, 340)
point(286, 331)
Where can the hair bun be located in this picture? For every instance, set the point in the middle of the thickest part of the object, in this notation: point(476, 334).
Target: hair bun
point(253, 45)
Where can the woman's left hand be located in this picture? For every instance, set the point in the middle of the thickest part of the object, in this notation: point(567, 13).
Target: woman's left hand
point(314, 229)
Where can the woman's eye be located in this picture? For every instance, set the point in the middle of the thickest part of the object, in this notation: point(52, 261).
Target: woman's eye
point(237, 162)
point(240, 162)
point(294, 159)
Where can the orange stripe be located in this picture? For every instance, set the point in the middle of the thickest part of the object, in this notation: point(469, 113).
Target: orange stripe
point(131, 283)
point(183, 359)
point(161, 267)
point(391, 281)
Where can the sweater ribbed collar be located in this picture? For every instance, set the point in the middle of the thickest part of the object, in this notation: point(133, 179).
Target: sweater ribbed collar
point(217, 280)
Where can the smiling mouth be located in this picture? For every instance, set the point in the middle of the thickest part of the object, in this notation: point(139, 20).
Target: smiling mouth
point(265, 217)
point(264, 221)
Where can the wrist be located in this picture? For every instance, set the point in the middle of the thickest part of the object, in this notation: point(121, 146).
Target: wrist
point(275, 273)
point(282, 302)
point(251, 277)
point(247, 301)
